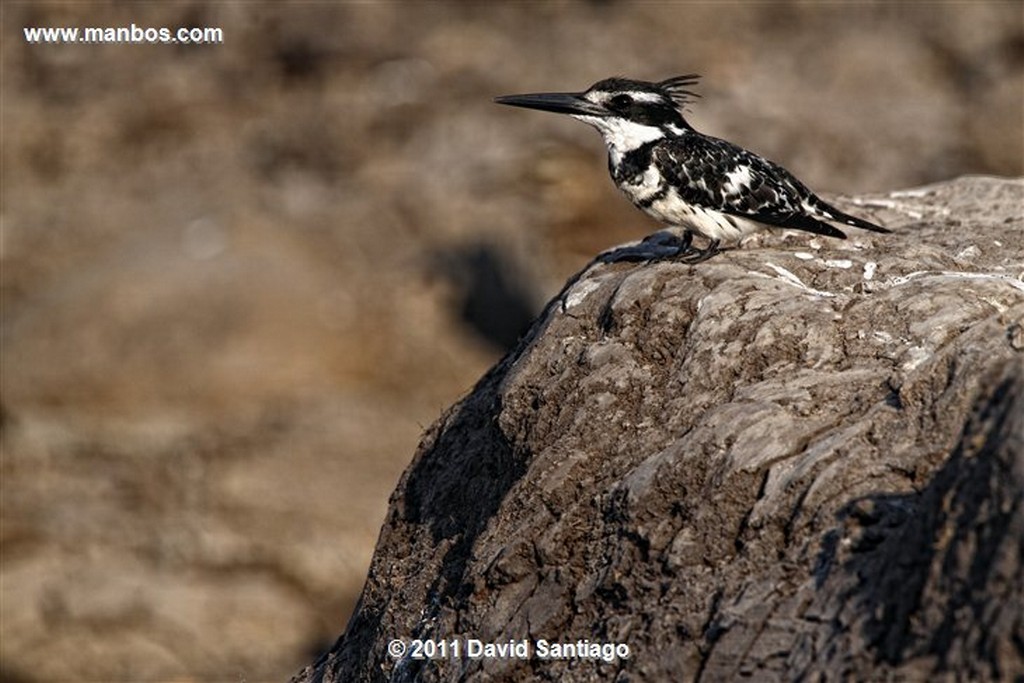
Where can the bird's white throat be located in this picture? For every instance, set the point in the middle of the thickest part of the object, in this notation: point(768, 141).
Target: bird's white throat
point(620, 135)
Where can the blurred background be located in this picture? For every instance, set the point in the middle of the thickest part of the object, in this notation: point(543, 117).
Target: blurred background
point(239, 280)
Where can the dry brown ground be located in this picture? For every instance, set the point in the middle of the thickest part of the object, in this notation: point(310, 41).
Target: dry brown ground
point(231, 281)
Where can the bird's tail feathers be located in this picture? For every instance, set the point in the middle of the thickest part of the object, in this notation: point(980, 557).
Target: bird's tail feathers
point(798, 221)
point(834, 214)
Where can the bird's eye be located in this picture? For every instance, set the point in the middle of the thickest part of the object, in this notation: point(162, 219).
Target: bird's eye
point(622, 101)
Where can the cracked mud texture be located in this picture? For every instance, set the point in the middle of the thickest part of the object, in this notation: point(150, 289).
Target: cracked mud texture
point(803, 459)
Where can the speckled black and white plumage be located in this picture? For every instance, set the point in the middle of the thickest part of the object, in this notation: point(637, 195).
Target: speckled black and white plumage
point(691, 176)
point(709, 187)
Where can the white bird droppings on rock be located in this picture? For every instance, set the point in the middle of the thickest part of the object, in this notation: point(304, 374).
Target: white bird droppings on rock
point(839, 263)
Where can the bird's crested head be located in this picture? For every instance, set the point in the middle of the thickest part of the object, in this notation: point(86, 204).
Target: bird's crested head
point(626, 111)
point(648, 103)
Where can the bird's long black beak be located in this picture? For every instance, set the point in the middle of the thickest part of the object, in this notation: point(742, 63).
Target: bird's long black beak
point(560, 102)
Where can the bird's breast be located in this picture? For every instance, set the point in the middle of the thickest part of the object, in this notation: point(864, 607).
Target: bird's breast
point(642, 185)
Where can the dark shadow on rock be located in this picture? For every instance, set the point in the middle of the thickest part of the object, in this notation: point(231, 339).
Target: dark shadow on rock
point(459, 484)
point(936, 575)
point(657, 246)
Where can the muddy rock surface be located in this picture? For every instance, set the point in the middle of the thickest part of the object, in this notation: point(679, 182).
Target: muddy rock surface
point(803, 458)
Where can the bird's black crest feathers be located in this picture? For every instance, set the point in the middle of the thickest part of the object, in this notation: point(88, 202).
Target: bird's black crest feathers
point(678, 89)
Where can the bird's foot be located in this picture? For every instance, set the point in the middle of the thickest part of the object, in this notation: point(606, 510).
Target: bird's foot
point(694, 255)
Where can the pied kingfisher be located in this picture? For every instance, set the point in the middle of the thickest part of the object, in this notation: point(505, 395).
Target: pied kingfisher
point(707, 186)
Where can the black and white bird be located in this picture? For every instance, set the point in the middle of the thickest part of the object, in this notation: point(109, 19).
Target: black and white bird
point(704, 185)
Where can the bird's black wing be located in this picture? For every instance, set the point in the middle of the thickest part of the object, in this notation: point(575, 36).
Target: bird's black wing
point(718, 175)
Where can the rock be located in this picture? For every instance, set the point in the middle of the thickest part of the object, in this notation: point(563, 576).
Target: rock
point(803, 459)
